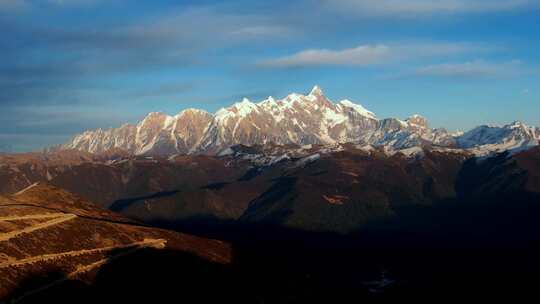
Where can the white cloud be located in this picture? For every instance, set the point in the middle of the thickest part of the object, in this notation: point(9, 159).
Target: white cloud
point(205, 25)
point(425, 7)
point(261, 30)
point(477, 69)
point(373, 54)
point(361, 55)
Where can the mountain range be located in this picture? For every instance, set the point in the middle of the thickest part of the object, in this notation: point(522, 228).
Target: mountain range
point(296, 119)
point(282, 201)
point(328, 218)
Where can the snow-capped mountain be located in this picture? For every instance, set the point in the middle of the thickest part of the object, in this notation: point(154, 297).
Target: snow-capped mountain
point(158, 133)
point(296, 119)
point(487, 139)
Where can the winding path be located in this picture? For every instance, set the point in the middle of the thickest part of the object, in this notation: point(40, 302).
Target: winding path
point(31, 217)
point(55, 221)
point(27, 188)
point(154, 243)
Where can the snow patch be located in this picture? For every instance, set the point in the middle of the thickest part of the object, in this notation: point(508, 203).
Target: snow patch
point(358, 108)
point(226, 152)
point(412, 152)
point(307, 160)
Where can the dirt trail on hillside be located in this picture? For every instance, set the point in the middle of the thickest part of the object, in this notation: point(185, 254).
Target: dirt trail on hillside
point(31, 217)
point(26, 189)
point(154, 243)
point(57, 220)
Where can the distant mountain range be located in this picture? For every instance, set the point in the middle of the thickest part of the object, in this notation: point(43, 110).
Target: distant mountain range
point(302, 193)
point(296, 119)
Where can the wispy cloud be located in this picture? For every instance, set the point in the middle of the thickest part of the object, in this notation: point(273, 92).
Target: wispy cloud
point(51, 66)
point(174, 40)
point(369, 54)
point(207, 26)
point(475, 69)
point(262, 30)
point(408, 8)
point(59, 120)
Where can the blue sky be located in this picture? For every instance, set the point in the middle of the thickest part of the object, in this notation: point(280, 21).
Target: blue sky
point(71, 65)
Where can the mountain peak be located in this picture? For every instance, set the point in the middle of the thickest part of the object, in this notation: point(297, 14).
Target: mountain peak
point(192, 112)
point(316, 91)
point(242, 108)
point(155, 118)
point(155, 114)
point(517, 124)
point(418, 120)
point(245, 105)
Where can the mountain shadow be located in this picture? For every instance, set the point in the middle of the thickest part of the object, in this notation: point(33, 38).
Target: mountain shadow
point(122, 204)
